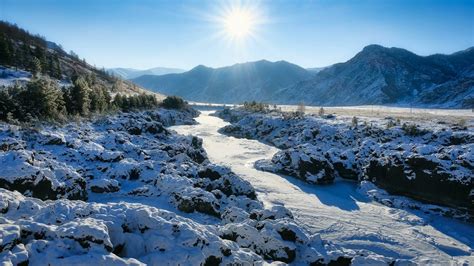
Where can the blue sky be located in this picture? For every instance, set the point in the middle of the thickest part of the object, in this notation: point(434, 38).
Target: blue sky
point(183, 34)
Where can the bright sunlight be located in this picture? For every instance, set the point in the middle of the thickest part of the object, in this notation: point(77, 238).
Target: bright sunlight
point(239, 23)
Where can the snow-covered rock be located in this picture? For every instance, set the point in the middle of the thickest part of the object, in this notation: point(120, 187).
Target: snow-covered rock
point(303, 161)
point(141, 181)
point(428, 163)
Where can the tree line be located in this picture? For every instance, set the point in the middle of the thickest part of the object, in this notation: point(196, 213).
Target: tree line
point(42, 98)
point(20, 49)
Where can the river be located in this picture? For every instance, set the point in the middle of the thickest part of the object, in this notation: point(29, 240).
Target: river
point(338, 212)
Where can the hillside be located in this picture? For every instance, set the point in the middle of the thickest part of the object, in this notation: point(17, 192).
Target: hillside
point(23, 55)
point(130, 73)
point(233, 84)
point(393, 76)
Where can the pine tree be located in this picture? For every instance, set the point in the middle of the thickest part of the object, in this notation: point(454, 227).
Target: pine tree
point(6, 104)
point(54, 67)
point(40, 53)
point(107, 98)
point(118, 101)
point(5, 50)
point(98, 101)
point(44, 99)
point(24, 57)
point(35, 66)
point(80, 96)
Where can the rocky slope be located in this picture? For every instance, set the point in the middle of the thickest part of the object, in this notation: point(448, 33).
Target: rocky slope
point(431, 163)
point(380, 75)
point(234, 84)
point(124, 190)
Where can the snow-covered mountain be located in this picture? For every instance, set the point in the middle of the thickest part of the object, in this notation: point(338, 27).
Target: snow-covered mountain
point(380, 75)
point(376, 75)
point(130, 73)
point(233, 84)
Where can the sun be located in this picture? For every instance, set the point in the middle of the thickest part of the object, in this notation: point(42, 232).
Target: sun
point(239, 23)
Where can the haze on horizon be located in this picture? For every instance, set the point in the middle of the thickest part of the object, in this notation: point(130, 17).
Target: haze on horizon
point(146, 34)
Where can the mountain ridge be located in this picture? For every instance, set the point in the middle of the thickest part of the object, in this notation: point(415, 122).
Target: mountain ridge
point(375, 75)
point(380, 75)
point(257, 80)
point(130, 73)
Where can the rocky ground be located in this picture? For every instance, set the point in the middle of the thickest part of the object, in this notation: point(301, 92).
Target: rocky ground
point(125, 190)
point(432, 163)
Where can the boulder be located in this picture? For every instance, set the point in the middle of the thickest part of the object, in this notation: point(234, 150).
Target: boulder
point(421, 178)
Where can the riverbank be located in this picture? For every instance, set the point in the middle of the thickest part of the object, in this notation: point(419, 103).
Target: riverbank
point(339, 212)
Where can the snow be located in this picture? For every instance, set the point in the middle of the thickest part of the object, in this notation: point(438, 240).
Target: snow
point(10, 76)
point(339, 212)
point(125, 190)
point(423, 161)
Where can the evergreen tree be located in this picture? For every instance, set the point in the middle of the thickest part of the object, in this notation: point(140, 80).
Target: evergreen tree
point(118, 101)
point(80, 96)
point(35, 66)
point(54, 67)
point(107, 97)
point(24, 57)
point(40, 54)
point(98, 99)
point(6, 55)
point(6, 104)
point(44, 99)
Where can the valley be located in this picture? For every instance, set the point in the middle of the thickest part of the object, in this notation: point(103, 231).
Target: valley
point(236, 133)
point(339, 212)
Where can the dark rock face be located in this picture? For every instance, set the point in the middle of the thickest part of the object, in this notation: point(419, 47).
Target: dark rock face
point(106, 188)
point(274, 255)
point(422, 179)
point(43, 189)
point(209, 173)
point(304, 163)
point(344, 172)
point(198, 203)
point(287, 234)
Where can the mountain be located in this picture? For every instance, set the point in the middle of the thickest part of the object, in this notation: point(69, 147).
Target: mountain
point(130, 73)
point(315, 70)
point(233, 84)
point(376, 75)
point(393, 76)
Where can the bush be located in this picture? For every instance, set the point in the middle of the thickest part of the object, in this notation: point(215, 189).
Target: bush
point(301, 109)
point(135, 102)
point(355, 121)
point(462, 123)
point(173, 102)
point(321, 111)
point(254, 106)
point(412, 130)
point(391, 124)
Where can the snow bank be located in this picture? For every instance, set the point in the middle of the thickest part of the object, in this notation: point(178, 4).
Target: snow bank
point(431, 163)
point(141, 180)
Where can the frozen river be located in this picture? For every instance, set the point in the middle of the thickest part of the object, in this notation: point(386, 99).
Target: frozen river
point(339, 212)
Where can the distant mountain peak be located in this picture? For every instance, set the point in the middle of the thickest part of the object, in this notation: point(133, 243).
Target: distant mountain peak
point(375, 75)
point(374, 47)
point(130, 73)
point(256, 80)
